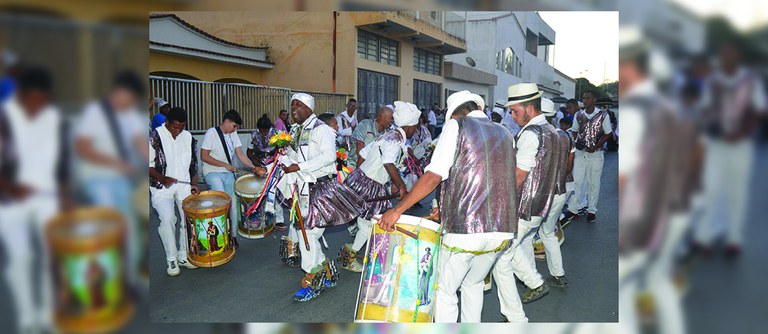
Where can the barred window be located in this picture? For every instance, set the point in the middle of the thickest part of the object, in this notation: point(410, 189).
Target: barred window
point(426, 62)
point(374, 47)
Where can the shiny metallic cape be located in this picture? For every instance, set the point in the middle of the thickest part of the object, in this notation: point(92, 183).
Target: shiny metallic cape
point(332, 203)
point(540, 185)
point(369, 189)
point(479, 194)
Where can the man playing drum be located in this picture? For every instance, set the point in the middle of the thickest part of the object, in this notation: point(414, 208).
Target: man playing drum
point(172, 158)
point(381, 161)
point(477, 229)
point(310, 179)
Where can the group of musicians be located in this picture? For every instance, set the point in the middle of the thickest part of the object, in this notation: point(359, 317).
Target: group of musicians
point(495, 192)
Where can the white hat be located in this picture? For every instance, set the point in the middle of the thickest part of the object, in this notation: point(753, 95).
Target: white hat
point(547, 107)
point(459, 98)
point(498, 110)
point(581, 104)
point(406, 114)
point(160, 102)
point(305, 98)
point(391, 107)
point(522, 92)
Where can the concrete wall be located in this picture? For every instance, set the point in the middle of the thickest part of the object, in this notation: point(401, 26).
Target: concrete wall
point(567, 85)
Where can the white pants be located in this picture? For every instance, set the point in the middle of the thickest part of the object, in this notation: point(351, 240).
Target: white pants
point(465, 271)
point(314, 257)
point(727, 174)
point(549, 239)
point(19, 222)
point(167, 202)
point(587, 167)
point(517, 261)
point(363, 233)
point(629, 285)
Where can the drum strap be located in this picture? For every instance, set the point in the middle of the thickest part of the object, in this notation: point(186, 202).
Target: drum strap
point(501, 247)
point(117, 137)
point(224, 144)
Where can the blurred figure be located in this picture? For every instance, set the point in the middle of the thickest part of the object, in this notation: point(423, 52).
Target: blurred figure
point(347, 122)
point(735, 100)
point(10, 69)
point(281, 124)
point(33, 187)
point(173, 177)
point(110, 140)
point(432, 118)
point(163, 108)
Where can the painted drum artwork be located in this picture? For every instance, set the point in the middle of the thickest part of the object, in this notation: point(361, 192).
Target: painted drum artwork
point(88, 268)
point(399, 280)
point(538, 246)
point(208, 232)
point(260, 223)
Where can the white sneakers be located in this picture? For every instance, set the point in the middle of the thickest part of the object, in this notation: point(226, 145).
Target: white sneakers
point(173, 266)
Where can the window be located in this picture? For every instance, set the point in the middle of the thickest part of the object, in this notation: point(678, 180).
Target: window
point(374, 90)
point(374, 47)
point(426, 62)
point(531, 42)
point(509, 61)
point(425, 93)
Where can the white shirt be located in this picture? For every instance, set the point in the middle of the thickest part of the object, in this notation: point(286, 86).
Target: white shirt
point(94, 125)
point(382, 152)
point(528, 145)
point(178, 153)
point(432, 118)
point(606, 122)
point(37, 141)
point(632, 128)
point(212, 142)
point(351, 120)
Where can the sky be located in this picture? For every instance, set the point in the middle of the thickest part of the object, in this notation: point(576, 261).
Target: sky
point(586, 44)
point(743, 14)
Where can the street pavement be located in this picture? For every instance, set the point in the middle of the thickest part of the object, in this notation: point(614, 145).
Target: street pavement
point(256, 287)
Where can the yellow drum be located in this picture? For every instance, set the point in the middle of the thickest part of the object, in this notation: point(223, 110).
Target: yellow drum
point(87, 262)
point(141, 205)
point(399, 280)
point(538, 246)
point(209, 236)
point(260, 223)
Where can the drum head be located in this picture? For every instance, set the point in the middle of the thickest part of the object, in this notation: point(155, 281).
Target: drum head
point(415, 221)
point(85, 228)
point(206, 200)
point(249, 185)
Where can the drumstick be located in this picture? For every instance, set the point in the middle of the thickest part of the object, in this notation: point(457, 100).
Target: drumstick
point(402, 230)
point(382, 198)
point(301, 225)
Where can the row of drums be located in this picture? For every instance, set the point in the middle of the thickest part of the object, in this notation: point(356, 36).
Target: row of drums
point(398, 282)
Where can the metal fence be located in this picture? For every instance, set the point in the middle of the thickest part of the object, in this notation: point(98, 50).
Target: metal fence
point(205, 102)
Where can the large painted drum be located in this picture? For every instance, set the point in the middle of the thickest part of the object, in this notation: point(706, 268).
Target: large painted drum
point(260, 223)
point(208, 233)
point(538, 246)
point(141, 205)
point(398, 282)
point(88, 268)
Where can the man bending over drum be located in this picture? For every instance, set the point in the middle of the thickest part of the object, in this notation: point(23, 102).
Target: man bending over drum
point(172, 158)
point(378, 173)
point(476, 228)
point(309, 164)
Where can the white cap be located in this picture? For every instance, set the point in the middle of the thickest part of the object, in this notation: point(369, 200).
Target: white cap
point(305, 98)
point(547, 107)
point(406, 114)
point(160, 102)
point(498, 110)
point(459, 98)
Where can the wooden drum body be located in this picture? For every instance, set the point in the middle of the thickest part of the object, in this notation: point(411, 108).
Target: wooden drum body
point(88, 268)
point(208, 228)
point(398, 282)
point(260, 223)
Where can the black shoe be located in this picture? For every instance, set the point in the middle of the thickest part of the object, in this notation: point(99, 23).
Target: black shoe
point(582, 211)
point(732, 252)
point(591, 217)
point(558, 281)
point(568, 217)
point(281, 226)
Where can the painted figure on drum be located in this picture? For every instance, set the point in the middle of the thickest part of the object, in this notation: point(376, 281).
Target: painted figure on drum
point(426, 271)
point(213, 234)
point(96, 279)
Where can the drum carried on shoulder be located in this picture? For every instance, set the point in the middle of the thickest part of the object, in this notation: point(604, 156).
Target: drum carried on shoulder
point(88, 265)
point(208, 228)
point(399, 280)
point(260, 223)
